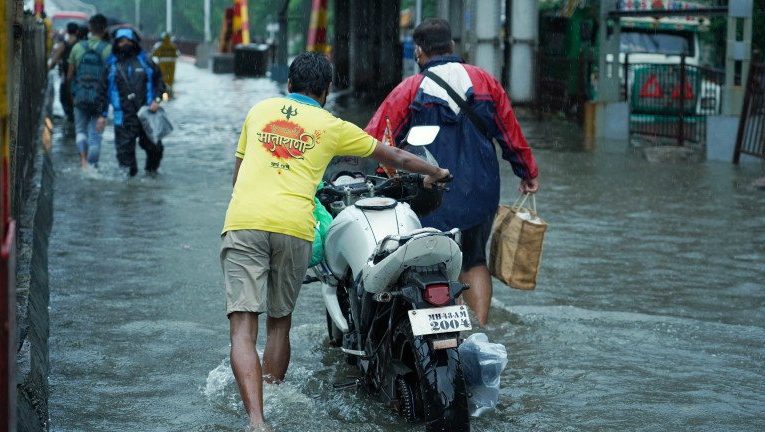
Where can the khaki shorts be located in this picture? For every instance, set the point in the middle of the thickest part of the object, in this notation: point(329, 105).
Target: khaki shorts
point(263, 271)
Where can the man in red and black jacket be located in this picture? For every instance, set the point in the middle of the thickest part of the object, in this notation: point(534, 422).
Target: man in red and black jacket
point(462, 146)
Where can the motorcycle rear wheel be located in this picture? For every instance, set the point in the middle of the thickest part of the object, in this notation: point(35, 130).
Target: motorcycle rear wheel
point(439, 384)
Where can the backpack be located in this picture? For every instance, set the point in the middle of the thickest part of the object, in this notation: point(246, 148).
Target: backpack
point(87, 79)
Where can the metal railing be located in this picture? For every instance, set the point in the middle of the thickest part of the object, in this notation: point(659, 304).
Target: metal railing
point(750, 138)
point(671, 100)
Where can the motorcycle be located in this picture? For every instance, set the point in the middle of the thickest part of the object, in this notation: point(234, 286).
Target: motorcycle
point(390, 289)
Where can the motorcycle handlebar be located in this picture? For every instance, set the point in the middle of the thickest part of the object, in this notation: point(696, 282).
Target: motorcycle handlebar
point(341, 191)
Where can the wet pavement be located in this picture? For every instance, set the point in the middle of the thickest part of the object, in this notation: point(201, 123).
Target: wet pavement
point(649, 313)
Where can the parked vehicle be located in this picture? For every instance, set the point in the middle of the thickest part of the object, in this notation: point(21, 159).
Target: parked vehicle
point(390, 289)
point(665, 74)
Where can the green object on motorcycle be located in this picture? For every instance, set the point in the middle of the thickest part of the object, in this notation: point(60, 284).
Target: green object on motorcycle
point(323, 221)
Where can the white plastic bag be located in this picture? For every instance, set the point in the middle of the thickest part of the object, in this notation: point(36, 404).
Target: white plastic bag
point(482, 365)
point(156, 124)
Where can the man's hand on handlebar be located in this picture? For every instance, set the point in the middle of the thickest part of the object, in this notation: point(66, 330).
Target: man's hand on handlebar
point(441, 176)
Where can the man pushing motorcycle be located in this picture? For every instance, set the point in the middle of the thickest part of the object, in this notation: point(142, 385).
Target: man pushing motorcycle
point(285, 145)
point(473, 112)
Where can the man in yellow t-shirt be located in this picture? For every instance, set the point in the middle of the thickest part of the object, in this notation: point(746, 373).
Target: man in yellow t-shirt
point(285, 145)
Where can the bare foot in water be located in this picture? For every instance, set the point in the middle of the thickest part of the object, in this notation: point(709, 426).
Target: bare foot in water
point(260, 427)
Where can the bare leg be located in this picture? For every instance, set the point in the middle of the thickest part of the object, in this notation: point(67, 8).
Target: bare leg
point(246, 364)
point(478, 297)
point(276, 357)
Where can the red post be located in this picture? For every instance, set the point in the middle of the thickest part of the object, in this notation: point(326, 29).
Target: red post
point(317, 29)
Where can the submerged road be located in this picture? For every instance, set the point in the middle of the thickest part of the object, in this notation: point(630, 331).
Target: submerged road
point(649, 314)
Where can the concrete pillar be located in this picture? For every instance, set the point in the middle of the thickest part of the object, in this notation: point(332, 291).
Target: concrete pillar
point(524, 22)
point(375, 50)
point(486, 30)
point(389, 52)
point(608, 38)
point(453, 11)
point(280, 67)
point(341, 44)
point(738, 55)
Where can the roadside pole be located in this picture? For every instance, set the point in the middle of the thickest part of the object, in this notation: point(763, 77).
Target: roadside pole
point(169, 16)
point(207, 21)
point(738, 55)
point(138, 15)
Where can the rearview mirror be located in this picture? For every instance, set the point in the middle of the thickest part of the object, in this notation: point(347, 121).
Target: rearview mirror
point(422, 135)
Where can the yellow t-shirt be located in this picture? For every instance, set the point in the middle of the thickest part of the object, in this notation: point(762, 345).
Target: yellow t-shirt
point(285, 146)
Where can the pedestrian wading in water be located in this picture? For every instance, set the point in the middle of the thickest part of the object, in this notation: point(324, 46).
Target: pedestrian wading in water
point(269, 224)
point(131, 80)
point(464, 145)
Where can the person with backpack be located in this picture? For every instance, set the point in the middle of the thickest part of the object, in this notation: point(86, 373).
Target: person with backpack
point(474, 112)
point(60, 57)
point(86, 68)
point(131, 81)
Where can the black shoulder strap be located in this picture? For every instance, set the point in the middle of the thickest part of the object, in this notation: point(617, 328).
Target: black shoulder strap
point(477, 121)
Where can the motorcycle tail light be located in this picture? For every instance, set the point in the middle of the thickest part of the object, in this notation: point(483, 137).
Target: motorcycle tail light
point(437, 294)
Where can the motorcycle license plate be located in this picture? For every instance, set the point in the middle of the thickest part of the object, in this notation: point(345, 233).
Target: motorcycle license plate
point(439, 320)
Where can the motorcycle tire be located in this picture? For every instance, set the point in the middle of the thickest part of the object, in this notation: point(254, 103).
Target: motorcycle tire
point(440, 385)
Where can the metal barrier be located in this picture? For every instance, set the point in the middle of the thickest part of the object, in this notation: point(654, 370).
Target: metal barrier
point(672, 100)
point(23, 78)
point(7, 284)
point(750, 138)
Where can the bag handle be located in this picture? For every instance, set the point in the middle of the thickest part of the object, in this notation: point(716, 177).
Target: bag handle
point(522, 198)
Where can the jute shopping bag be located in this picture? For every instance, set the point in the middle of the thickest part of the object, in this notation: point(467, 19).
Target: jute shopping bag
point(516, 244)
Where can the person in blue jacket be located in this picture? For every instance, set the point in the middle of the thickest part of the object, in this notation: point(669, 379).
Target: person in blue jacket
point(131, 81)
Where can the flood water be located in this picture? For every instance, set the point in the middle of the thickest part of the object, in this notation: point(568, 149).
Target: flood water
point(649, 313)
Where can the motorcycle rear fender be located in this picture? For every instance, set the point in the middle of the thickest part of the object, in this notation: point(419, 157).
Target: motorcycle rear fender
point(427, 249)
point(329, 292)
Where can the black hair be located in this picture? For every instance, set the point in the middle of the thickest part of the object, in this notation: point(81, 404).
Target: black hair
point(310, 73)
point(72, 27)
point(434, 36)
point(97, 23)
point(82, 32)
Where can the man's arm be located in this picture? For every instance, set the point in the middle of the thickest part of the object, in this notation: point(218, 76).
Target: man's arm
point(70, 72)
point(515, 149)
point(55, 57)
point(401, 159)
point(237, 164)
